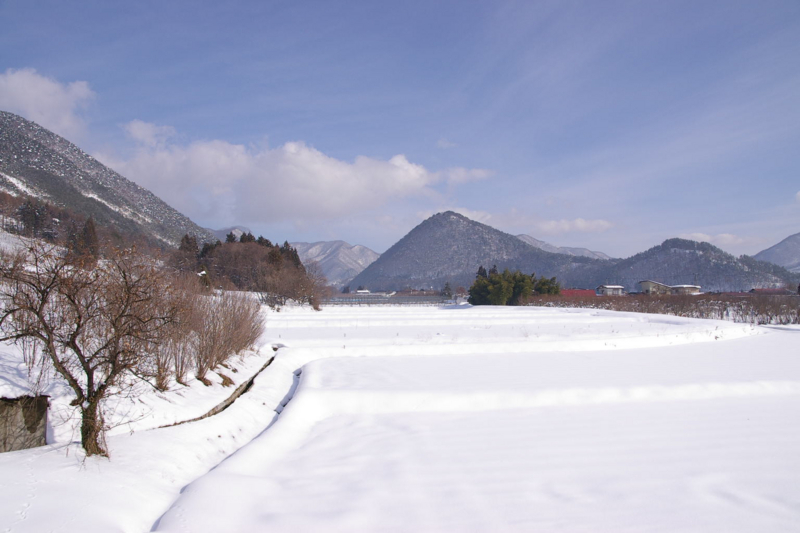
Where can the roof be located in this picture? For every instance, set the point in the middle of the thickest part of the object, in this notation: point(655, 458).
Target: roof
point(611, 287)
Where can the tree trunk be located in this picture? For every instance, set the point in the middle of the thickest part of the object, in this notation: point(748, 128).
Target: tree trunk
point(92, 429)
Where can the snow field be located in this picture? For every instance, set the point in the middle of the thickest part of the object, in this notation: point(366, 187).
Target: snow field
point(509, 432)
point(481, 419)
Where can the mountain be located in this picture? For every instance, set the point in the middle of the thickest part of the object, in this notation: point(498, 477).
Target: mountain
point(449, 247)
point(222, 234)
point(786, 253)
point(582, 252)
point(684, 262)
point(37, 162)
point(339, 261)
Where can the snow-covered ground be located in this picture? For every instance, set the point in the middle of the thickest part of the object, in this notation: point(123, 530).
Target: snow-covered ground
point(460, 419)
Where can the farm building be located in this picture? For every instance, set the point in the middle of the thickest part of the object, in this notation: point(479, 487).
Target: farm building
point(655, 287)
point(610, 290)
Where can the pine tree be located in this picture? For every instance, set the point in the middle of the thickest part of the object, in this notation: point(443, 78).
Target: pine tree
point(230, 237)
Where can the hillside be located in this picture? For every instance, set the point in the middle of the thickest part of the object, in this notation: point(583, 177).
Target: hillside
point(338, 260)
point(680, 261)
point(37, 162)
point(786, 253)
point(448, 247)
point(547, 247)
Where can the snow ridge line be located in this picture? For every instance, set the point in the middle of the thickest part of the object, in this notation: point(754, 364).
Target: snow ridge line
point(241, 389)
point(327, 401)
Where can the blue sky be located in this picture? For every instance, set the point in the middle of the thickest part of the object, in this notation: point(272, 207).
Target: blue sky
point(611, 125)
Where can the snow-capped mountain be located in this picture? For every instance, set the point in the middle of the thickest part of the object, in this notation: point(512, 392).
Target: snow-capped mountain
point(547, 247)
point(237, 231)
point(36, 162)
point(786, 253)
point(339, 261)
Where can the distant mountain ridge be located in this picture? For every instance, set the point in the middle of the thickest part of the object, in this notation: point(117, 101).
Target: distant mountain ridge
point(449, 247)
point(237, 231)
point(786, 253)
point(681, 261)
point(36, 162)
point(338, 260)
point(547, 247)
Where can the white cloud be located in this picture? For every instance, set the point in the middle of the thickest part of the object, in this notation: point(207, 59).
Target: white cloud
point(47, 102)
point(722, 239)
point(444, 144)
point(223, 182)
point(149, 134)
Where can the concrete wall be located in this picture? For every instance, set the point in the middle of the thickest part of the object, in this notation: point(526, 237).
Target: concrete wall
point(23, 422)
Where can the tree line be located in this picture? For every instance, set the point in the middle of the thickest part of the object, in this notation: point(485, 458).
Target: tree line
point(508, 288)
point(107, 325)
point(273, 271)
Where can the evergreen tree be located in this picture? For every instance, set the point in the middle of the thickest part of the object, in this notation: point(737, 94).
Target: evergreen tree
point(230, 237)
point(522, 288)
point(247, 237)
point(208, 249)
point(89, 242)
point(482, 272)
point(447, 291)
point(508, 288)
point(189, 244)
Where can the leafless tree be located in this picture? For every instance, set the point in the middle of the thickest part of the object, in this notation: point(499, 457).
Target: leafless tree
point(93, 325)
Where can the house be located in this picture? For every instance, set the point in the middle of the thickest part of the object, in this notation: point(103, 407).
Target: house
point(655, 287)
point(610, 290)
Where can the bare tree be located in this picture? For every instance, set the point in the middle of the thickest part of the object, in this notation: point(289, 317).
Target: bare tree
point(92, 325)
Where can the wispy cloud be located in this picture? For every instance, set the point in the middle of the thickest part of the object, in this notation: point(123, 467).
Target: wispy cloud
point(149, 134)
point(44, 100)
point(444, 144)
point(797, 197)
